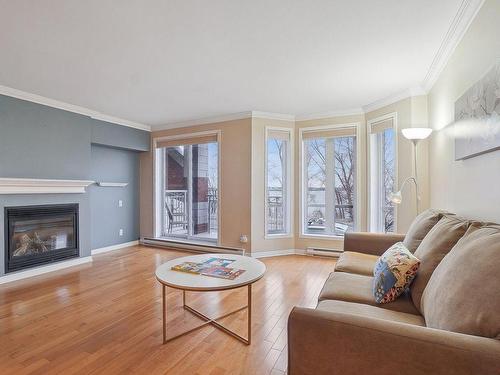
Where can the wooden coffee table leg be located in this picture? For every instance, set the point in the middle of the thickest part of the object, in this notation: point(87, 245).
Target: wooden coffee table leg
point(249, 317)
point(164, 315)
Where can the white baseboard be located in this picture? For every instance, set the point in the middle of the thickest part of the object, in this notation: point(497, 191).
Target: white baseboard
point(300, 252)
point(277, 253)
point(114, 247)
point(191, 246)
point(44, 269)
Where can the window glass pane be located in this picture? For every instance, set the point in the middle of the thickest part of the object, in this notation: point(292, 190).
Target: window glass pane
point(345, 175)
point(315, 207)
point(213, 188)
point(330, 171)
point(190, 203)
point(204, 191)
point(176, 188)
point(276, 186)
point(382, 180)
point(389, 176)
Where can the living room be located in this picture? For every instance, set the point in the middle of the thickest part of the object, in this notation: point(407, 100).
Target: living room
point(250, 187)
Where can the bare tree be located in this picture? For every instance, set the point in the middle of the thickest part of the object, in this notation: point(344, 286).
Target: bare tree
point(317, 156)
point(344, 169)
point(344, 173)
point(274, 166)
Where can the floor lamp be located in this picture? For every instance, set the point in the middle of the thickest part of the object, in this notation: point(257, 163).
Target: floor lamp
point(415, 135)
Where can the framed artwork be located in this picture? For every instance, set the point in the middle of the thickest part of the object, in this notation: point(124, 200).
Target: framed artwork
point(477, 117)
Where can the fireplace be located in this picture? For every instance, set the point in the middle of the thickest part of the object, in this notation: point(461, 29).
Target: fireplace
point(36, 235)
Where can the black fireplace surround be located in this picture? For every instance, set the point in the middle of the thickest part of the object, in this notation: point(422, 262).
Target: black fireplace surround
point(36, 235)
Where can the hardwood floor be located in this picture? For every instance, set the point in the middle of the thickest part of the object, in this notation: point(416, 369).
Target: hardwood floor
point(105, 318)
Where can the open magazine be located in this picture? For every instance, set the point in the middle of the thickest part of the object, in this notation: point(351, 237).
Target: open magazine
point(213, 267)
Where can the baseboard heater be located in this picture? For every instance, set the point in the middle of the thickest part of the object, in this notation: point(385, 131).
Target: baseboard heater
point(191, 246)
point(324, 252)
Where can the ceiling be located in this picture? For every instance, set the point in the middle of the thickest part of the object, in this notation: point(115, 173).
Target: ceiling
point(157, 62)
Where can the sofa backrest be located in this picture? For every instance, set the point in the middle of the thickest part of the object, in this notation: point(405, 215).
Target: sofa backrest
point(463, 293)
point(433, 248)
point(419, 228)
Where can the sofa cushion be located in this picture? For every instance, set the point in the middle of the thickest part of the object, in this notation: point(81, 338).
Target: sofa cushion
point(354, 262)
point(419, 228)
point(349, 287)
point(393, 273)
point(368, 311)
point(462, 294)
point(435, 245)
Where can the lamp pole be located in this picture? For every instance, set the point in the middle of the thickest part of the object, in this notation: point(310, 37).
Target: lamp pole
point(417, 197)
point(414, 135)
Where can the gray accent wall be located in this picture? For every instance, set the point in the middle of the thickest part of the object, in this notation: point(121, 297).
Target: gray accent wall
point(113, 135)
point(114, 165)
point(37, 141)
point(42, 142)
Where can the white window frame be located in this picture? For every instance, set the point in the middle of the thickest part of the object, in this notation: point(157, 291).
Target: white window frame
point(369, 124)
point(289, 183)
point(303, 182)
point(158, 183)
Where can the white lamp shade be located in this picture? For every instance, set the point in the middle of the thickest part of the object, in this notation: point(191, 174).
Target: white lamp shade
point(396, 197)
point(416, 133)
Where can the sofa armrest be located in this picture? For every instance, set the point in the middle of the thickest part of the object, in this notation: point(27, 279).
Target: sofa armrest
point(321, 342)
point(370, 243)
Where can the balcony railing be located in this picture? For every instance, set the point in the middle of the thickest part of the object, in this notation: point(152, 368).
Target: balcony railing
point(275, 215)
point(317, 223)
point(176, 212)
point(177, 219)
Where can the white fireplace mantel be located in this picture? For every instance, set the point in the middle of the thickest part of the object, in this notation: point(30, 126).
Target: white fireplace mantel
point(42, 186)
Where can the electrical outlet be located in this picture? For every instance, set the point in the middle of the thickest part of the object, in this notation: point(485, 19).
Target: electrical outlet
point(121, 232)
point(120, 203)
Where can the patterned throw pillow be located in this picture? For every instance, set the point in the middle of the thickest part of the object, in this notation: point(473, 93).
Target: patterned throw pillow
point(394, 272)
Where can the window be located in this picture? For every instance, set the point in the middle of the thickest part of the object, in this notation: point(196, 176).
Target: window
point(278, 168)
point(329, 191)
point(382, 175)
point(187, 180)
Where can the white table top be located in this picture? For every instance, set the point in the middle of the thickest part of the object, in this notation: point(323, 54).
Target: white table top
point(254, 270)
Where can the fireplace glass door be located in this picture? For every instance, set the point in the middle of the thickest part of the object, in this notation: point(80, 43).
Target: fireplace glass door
point(40, 234)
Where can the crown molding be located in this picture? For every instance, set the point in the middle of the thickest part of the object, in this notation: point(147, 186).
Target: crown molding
point(414, 91)
point(224, 118)
point(204, 121)
point(322, 115)
point(464, 17)
point(34, 98)
point(273, 116)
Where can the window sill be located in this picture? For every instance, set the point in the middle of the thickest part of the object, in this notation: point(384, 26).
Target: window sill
point(278, 236)
point(322, 237)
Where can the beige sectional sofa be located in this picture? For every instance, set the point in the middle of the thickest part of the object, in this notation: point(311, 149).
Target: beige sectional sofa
point(447, 323)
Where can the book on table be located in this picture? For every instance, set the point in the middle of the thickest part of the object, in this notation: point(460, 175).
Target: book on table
point(213, 267)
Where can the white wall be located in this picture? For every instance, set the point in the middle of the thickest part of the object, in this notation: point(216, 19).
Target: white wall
point(470, 187)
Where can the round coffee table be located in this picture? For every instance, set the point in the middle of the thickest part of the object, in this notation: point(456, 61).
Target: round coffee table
point(254, 270)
